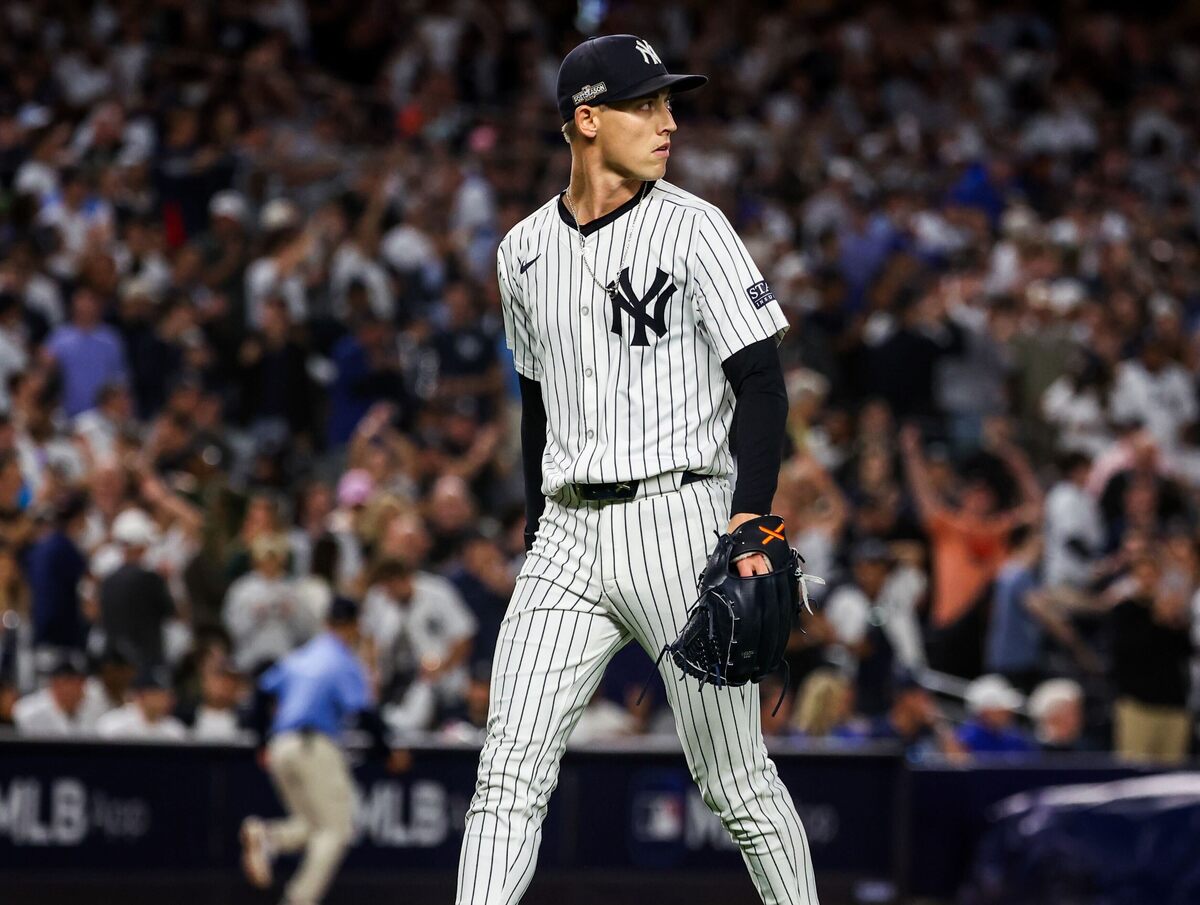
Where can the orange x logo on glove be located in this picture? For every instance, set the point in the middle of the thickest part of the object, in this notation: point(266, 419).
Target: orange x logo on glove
point(771, 535)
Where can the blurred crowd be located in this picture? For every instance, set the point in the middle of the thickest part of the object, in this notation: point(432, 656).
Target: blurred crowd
point(251, 354)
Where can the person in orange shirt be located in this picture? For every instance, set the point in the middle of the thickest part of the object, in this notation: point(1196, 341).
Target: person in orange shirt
point(968, 540)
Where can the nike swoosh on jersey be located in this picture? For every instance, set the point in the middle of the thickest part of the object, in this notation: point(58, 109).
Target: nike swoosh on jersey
point(525, 265)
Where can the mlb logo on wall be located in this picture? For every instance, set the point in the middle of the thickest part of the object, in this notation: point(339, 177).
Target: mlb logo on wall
point(658, 816)
point(760, 294)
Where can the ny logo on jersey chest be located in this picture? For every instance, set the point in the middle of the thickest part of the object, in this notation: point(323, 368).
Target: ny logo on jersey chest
point(620, 291)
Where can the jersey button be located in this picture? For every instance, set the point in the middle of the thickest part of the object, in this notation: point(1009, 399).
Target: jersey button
point(587, 311)
point(591, 434)
point(587, 372)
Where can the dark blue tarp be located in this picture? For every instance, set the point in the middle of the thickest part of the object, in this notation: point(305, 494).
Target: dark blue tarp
point(1130, 842)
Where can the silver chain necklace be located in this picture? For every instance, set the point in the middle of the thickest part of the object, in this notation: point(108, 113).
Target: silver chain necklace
point(612, 288)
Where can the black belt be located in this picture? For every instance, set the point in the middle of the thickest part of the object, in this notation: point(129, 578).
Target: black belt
point(622, 491)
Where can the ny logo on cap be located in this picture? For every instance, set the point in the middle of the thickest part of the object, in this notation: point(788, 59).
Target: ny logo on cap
point(647, 52)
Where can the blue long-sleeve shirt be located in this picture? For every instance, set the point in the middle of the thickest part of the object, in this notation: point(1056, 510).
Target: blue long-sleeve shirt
point(320, 686)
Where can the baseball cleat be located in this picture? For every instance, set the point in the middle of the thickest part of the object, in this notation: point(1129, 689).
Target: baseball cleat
point(256, 855)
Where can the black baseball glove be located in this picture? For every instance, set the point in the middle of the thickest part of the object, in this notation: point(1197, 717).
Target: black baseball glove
point(738, 630)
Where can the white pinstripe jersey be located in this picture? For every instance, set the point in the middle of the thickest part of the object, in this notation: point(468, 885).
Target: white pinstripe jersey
point(633, 388)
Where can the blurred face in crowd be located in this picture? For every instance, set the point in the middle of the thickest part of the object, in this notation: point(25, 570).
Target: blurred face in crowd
point(118, 404)
point(874, 468)
point(108, 488)
point(875, 418)
point(399, 587)
point(870, 574)
point(484, 559)
point(275, 320)
point(912, 710)
point(67, 692)
point(1141, 502)
point(74, 192)
point(10, 478)
point(979, 499)
point(459, 310)
point(631, 137)
point(10, 572)
point(997, 718)
point(220, 688)
point(459, 429)
point(450, 505)
point(318, 503)
point(155, 703)
point(1062, 724)
point(1154, 356)
point(406, 538)
point(116, 676)
point(260, 518)
point(270, 563)
point(86, 310)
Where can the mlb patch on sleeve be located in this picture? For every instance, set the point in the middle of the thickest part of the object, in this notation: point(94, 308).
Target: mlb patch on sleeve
point(760, 293)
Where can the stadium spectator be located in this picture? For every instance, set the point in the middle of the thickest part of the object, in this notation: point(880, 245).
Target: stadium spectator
point(115, 671)
point(135, 603)
point(967, 540)
point(1014, 636)
point(485, 582)
point(915, 722)
point(602, 720)
point(222, 691)
point(992, 727)
point(99, 428)
point(262, 612)
point(1056, 707)
point(420, 631)
point(1073, 527)
point(56, 566)
point(825, 706)
point(88, 354)
point(148, 716)
point(67, 707)
point(468, 723)
point(874, 621)
point(1151, 660)
point(973, 246)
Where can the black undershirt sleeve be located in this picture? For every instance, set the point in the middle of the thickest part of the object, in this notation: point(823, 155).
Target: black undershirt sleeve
point(759, 423)
point(533, 445)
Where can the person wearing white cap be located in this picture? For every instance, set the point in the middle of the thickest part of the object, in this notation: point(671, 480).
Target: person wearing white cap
point(226, 246)
point(229, 205)
point(992, 729)
point(135, 602)
point(1057, 710)
point(280, 272)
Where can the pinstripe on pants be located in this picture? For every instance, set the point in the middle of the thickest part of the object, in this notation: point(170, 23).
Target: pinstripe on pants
point(597, 577)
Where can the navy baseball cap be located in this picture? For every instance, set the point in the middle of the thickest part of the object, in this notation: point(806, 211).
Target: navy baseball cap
point(615, 68)
point(342, 610)
point(153, 678)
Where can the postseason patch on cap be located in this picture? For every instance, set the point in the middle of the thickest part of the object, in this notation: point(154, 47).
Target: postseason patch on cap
point(589, 93)
point(760, 294)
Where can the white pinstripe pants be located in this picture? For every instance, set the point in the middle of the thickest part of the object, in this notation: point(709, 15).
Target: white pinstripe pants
point(596, 578)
